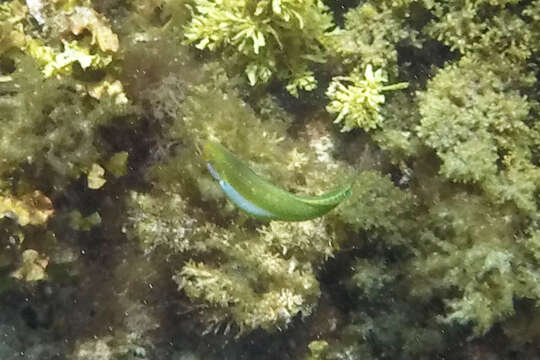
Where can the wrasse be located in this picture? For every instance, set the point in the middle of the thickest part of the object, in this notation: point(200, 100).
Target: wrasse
point(260, 198)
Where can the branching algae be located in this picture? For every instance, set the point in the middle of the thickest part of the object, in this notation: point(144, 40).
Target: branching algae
point(438, 243)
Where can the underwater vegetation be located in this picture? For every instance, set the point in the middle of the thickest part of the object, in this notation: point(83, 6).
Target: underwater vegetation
point(266, 38)
point(422, 119)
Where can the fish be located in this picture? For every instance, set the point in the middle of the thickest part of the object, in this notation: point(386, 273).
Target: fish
point(258, 197)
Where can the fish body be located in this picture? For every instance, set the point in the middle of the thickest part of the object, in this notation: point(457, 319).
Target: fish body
point(260, 198)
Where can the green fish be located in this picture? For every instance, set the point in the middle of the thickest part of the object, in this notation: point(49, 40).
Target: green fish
point(260, 198)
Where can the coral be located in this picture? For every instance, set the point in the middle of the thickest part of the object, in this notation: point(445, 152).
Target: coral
point(266, 38)
point(357, 98)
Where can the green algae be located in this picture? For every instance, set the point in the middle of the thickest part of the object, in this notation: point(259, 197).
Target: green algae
point(435, 254)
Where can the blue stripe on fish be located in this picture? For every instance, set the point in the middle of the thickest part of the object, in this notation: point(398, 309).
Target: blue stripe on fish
point(238, 199)
point(243, 203)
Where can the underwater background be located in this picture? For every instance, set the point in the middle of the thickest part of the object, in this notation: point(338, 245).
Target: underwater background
point(117, 243)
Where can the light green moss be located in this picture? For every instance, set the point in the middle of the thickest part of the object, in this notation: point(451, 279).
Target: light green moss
point(483, 27)
point(267, 38)
point(396, 136)
point(470, 246)
point(357, 99)
point(476, 118)
point(12, 34)
point(40, 113)
point(370, 277)
point(370, 35)
point(160, 220)
point(243, 279)
point(251, 288)
point(439, 240)
point(376, 205)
